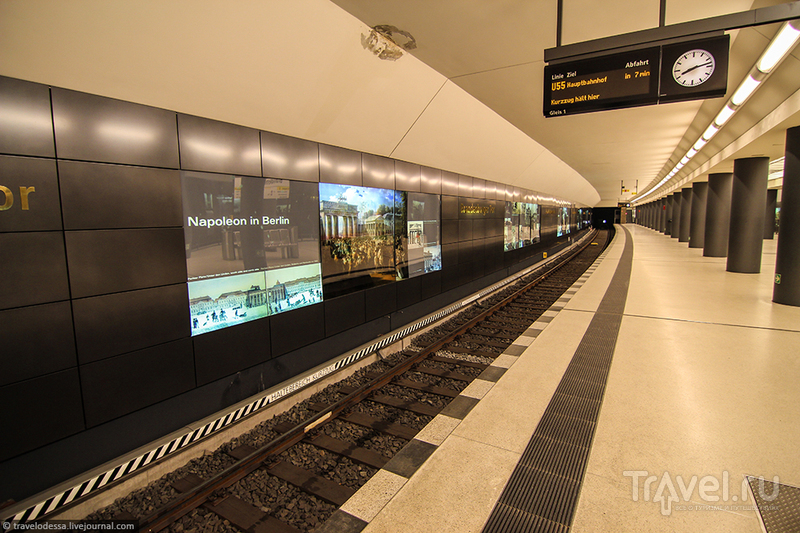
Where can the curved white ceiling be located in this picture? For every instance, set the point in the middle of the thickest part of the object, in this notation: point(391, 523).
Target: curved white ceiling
point(295, 67)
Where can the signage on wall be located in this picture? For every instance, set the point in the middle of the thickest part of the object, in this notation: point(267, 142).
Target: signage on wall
point(477, 208)
point(689, 70)
point(8, 194)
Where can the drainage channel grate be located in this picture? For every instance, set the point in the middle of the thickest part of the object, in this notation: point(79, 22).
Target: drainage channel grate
point(543, 490)
point(778, 505)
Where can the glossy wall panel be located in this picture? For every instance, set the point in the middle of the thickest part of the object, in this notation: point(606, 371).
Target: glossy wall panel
point(430, 285)
point(211, 146)
point(34, 269)
point(245, 345)
point(94, 128)
point(490, 189)
point(297, 328)
point(380, 301)
point(37, 340)
point(344, 312)
point(26, 123)
point(450, 183)
point(430, 180)
point(479, 188)
point(123, 322)
point(98, 196)
point(28, 195)
point(479, 228)
point(449, 207)
point(450, 254)
point(106, 261)
point(339, 165)
point(407, 176)
point(56, 414)
point(377, 172)
point(465, 232)
point(120, 385)
point(409, 292)
point(449, 231)
point(465, 186)
point(289, 158)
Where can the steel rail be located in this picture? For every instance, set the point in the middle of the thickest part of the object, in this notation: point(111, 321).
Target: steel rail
point(186, 502)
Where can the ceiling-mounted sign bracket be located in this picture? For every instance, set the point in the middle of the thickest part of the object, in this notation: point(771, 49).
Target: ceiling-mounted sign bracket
point(662, 35)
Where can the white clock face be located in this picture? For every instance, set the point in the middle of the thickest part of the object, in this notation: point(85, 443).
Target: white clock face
point(693, 68)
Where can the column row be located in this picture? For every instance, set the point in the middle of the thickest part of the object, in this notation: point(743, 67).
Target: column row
point(731, 215)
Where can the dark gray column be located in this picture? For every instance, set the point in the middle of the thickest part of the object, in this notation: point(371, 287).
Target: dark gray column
point(718, 214)
point(686, 214)
point(659, 215)
point(663, 228)
point(650, 215)
point(787, 263)
point(676, 215)
point(697, 237)
point(670, 210)
point(654, 218)
point(769, 214)
point(748, 198)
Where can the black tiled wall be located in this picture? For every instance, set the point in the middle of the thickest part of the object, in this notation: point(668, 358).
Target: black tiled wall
point(94, 305)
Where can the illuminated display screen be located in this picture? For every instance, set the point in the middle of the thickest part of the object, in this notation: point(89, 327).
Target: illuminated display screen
point(358, 238)
point(522, 225)
point(420, 249)
point(610, 82)
point(252, 247)
point(563, 222)
point(688, 70)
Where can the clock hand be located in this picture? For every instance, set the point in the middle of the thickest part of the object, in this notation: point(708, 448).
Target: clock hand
point(696, 66)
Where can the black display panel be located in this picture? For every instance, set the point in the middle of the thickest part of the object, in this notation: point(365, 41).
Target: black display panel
point(690, 70)
point(420, 248)
point(252, 247)
point(358, 236)
point(620, 80)
point(521, 225)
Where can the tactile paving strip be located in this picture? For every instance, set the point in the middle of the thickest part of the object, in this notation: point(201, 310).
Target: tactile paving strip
point(778, 505)
point(543, 490)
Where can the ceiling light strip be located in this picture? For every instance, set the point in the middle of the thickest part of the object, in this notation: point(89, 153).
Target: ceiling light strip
point(779, 48)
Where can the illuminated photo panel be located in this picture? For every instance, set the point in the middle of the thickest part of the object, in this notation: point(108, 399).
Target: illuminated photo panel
point(563, 222)
point(357, 236)
point(522, 225)
point(235, 224)
point(419, 249)
point(293, 287)
point(252, 247)
point(226, 301)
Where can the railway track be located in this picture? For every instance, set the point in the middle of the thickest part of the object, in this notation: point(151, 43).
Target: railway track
point(291, 473)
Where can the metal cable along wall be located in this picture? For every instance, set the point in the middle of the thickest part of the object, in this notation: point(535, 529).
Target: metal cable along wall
point(543, 490)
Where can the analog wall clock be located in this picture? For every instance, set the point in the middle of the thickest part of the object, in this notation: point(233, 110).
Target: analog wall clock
point(693, 68)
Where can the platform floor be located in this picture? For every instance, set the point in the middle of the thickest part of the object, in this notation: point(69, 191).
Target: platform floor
point(702, 391)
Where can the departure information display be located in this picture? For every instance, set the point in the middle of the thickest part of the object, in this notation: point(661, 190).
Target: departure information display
point(611, 82)
point(688, 70)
